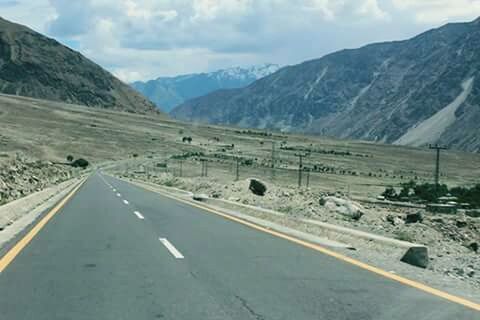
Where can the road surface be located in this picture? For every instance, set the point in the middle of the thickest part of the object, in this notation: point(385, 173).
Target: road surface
point(116, 251)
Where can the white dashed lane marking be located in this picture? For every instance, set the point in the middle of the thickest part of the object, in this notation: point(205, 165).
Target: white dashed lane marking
point(171, 248)
point(139, 215)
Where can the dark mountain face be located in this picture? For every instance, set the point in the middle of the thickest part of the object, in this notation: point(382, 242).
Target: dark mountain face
point(169, 92)
point(414, 92)
point(36, 66)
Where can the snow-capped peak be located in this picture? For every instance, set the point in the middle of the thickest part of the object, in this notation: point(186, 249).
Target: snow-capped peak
point(242, 73)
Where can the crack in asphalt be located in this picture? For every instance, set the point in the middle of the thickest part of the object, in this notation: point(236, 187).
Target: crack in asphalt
point(249, 309)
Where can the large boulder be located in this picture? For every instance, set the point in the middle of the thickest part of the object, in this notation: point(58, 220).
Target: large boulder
point(416, 256)
point(414, 217)
point(344, 207)
point(257, 187)
point(200, 197)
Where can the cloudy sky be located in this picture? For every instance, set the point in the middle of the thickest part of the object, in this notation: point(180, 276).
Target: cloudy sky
point(144, 39)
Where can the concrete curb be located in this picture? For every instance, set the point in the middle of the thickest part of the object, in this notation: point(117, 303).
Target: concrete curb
point(18, 214)
point(412, 253)
point(187, 197)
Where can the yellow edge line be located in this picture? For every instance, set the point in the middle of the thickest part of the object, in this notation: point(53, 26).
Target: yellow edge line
point(386, 274)
point(20, 245)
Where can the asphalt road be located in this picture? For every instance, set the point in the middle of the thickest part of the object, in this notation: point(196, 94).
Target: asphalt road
point(133, 254)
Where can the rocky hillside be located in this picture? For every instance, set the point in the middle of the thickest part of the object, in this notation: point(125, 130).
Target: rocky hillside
point(169, 92)
point(22, 175)
point(36, 66)
point(413, 92)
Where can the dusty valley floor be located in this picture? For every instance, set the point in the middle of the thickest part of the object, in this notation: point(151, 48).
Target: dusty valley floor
point(36, 137)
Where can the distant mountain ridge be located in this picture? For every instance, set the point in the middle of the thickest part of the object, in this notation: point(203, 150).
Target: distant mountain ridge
point(169, 92)
point(412, 92)
point(36, 66)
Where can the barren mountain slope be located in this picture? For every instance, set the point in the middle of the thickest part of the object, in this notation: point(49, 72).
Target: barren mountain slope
point(36, 66)
point(379, 92)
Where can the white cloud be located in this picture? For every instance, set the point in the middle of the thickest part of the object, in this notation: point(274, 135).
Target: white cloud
point(205, 10)
point(440, 11)
point(141, 39)
point(32, 13)
point(371, 8)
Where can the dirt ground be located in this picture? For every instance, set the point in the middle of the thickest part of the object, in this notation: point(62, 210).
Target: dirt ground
point(51, 131)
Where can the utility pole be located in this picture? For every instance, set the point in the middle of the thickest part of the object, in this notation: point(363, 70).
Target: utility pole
point(204, 173)
point(308, 177)
point(237, 174)
point(437, 165)
point(300, 166)
point(273, 160)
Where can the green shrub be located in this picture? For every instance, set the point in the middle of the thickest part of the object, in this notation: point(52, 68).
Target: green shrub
point(429, 192)
point(465, 195)
point(80, 163)
point(390, 193)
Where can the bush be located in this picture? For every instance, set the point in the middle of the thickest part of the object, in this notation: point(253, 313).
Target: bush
point(80, 163)
point(390, 193)
point(170, 183)
point(406, 187)
point(69, 158)
point(428, 191)
point(188, 155)
point(465, 195)
point(247, 162)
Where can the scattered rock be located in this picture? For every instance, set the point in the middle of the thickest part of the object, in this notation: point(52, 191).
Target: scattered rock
point(461, 223)
point(414, 217)
point(437, 220)
point(257, 187)
point(472, 246)
point(285, 194)
point(322, 201)
point(200, 197)
point(394, 220)
point(22, 176)
point(215, 194)
point(344, 207)
point(416, 256)
point(459, 271)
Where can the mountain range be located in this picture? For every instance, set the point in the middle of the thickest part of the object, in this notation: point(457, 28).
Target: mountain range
point(168, 92)
point(36, 66)
point(413, 92)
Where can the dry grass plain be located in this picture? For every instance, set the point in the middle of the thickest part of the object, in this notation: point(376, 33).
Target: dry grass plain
point(50, 130)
